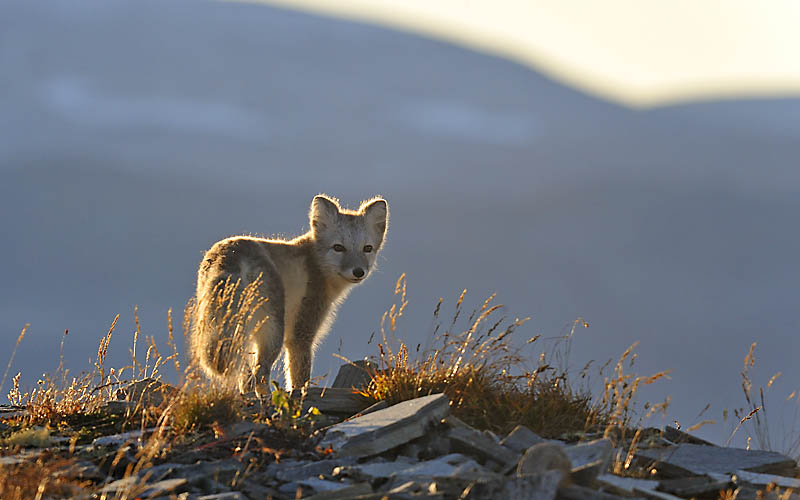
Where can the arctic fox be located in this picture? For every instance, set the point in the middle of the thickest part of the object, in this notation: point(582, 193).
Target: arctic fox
point(294, 289)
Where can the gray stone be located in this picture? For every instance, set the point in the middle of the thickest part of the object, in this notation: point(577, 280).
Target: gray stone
point(332, 400)
point(306, 470)
point(163, 487)
point(161, 471)
point(694, 486)
point(230, 495)
point(520, 439)
point(254, 490)
point(678, 437)
point(372, 470)
point(244, 428)
point(414, 488)
point(577, 492)
point(12, 411)
point(750, 492)
point(293, 489)
point(447, 467)
point(491, 435)
point(350, 490)
point(436, 445)
point(531, 487)
point(465, 439)
point(543, 457)
point(743, 476)
point(355, 375)
point(182, 496)
point(655, 495)
point(693, 459)
point(125, 437)
point(380, 405)
point(385, 429)
point(540, 487)
point(134, 485)
point(23, 456)
point(411, 450)
point(625, 485)
point(589, 459)
point(322, 485)
point(450, 466)
point(81, 470)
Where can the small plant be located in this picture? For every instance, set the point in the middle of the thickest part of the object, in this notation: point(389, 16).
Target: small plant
point(288, 414)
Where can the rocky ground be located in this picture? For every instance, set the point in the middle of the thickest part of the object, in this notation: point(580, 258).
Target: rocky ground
point(411, 450)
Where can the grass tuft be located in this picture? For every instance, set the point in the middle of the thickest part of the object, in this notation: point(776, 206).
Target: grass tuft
point(199, 407)
point(37, 437)
point(488, 381)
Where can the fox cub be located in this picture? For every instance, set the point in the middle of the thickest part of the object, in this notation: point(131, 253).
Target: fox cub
point(299, 284)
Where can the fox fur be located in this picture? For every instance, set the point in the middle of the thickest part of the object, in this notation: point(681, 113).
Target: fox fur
point(298, 285)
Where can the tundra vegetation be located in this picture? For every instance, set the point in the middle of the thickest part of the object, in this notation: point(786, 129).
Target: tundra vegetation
point(121, 423)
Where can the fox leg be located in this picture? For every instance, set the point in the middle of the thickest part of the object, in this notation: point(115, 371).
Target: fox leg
point(299, 357)
point(300, 342)
point(264, 330)
point(267, 344)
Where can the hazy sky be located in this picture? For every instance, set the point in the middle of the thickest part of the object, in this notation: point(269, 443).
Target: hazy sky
point(136, 134)
point(641, 53)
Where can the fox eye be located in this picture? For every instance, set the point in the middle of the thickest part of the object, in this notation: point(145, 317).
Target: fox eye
point(367, 248)
point(338, 248)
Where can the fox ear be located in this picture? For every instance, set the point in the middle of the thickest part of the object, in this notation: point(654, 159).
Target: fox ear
point(377, 213)
point(323, 212)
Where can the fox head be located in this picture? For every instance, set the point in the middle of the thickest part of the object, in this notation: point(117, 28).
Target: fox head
point(348, 241)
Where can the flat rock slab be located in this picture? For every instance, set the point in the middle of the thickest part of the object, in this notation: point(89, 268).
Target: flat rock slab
point(765, 479)
point(305, 470)
point(119, 439)
point(695, 486)
point(540, 487)
point(577, 492)
point(629, 486)
point(465, 439)
point(132, 484)
point(697, 460)
point(678, 436)
point(589, 459)
point(356, 490)
point(626, 484)
point(355, 375)
point(450, 466)
point(385, 429)
point(520, 439)
point(333, 400)
point(230, 495)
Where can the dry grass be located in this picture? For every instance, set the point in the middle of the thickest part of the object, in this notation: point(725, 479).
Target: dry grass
point(75, 406)
point(203, 406)
point(489, 382)
point(471, 358)
point(757, 420)
point(233, 310)
point(38, 479)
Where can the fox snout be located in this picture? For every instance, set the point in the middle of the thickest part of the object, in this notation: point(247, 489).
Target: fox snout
point(354, 274)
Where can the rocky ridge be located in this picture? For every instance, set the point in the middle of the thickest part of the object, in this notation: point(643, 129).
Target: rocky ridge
point(411, 450)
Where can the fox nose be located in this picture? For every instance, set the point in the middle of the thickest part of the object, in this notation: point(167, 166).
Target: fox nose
point(358, 272)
